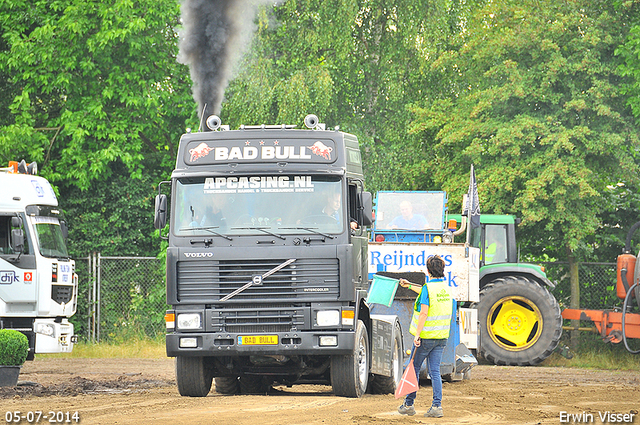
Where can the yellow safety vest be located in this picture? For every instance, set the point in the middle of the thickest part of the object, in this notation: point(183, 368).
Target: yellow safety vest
point(490, 253)
point(440, 306)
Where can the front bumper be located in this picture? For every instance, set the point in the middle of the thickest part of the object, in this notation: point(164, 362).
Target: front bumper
point(288, 343)
point(59, 337)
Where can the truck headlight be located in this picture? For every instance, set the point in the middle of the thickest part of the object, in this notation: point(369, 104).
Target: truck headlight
point(189, 321)
point(46, 329)
point(328, 317)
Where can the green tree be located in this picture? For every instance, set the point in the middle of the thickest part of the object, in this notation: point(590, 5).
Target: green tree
point(354, 63)
point(534, 104)
point(90, 83)
point(92, 91)
point(629, 52)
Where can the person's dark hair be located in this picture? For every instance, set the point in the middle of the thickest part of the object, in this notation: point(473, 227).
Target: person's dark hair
point(435, 266)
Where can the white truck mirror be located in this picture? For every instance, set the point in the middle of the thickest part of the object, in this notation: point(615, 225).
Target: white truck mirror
point(17, 240)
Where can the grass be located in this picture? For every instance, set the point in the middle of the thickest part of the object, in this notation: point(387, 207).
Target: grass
point(138, 347)
point(592, 353)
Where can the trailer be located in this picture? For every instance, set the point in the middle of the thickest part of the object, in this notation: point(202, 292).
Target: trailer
point(410, 227)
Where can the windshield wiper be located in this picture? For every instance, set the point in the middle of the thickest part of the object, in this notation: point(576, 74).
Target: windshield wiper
point(263, 229)
point(309, 229)
point(208, 229)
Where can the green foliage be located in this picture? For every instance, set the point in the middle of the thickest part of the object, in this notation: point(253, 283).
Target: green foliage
point(534, 105)
point(629, 52)
point(14, 347)
point(90, 83)
point(540, 95)
point(92, 91)
point(355, 64)
point(115, 216)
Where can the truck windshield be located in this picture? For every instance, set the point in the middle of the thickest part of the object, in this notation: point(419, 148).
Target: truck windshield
point(49, 237)
point(258, 205)
point(410, 210)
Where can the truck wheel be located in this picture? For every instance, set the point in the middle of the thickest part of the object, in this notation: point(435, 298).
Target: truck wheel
point(387, 384)
point(194, 376)
point(520, 322)
point(254, 385)
point(227, 385)
point(350, 373)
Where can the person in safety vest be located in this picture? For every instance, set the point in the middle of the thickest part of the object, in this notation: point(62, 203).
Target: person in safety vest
point(430, 325)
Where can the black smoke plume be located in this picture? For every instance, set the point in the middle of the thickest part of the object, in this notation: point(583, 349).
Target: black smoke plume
point(215, 34)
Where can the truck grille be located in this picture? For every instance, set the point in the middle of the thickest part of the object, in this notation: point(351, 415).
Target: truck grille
point(208, 281)
point(259, 318)
point(61, 294)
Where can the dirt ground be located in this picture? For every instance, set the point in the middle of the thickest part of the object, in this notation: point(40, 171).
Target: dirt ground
point(135, 391)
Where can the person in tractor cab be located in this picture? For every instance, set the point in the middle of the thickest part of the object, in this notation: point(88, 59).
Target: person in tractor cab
point(494, 249)
point(430, 325)
point(407, 220)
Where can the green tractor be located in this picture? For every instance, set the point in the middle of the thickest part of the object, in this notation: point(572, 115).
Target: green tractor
point(520, 321)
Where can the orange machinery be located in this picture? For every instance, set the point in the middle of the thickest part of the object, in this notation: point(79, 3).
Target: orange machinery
point(617, 326)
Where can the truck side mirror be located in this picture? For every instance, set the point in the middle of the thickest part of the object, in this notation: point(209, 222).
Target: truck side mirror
point(64, 229)
point(160, 218)
point(17, 237)
point(17, 240)
point(365, 201)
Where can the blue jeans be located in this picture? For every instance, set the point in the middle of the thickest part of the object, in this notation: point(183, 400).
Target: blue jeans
point(430, 349)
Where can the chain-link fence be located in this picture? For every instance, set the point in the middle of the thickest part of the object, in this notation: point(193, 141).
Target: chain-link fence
point(597, 285)
point(119, 297)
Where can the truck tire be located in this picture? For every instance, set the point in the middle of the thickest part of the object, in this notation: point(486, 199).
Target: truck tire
point(388, 384)
point(350, 373)
point(520, 322)
point(194, 376)
point(227, 385)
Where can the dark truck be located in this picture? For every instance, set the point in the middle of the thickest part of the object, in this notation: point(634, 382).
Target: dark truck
point(267, 264)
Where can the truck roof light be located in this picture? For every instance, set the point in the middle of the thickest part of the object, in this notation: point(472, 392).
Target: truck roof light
point(453, 225)
point(21, 167)
point(379, 238)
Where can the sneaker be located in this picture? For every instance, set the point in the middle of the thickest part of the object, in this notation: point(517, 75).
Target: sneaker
point(434, 412)
point(406, 410)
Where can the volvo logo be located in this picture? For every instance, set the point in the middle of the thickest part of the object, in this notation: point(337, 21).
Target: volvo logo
point(198, 254)
point(256, 279)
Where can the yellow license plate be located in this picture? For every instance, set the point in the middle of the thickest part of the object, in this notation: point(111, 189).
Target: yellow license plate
point(258, 340)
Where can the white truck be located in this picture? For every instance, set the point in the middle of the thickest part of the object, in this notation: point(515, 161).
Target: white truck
point(38, 283)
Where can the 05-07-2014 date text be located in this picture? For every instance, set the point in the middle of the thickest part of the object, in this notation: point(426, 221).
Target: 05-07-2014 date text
point(36, 416)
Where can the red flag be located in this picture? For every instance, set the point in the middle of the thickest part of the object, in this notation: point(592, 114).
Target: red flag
point(409, 381)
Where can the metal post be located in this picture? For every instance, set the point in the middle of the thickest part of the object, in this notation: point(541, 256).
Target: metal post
point(574, 279)
point(98, 301)
point(88, 299)
point(93, 298)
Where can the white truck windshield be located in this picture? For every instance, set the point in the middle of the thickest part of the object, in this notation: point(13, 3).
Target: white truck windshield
point(49, 237)
point(258, 205)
